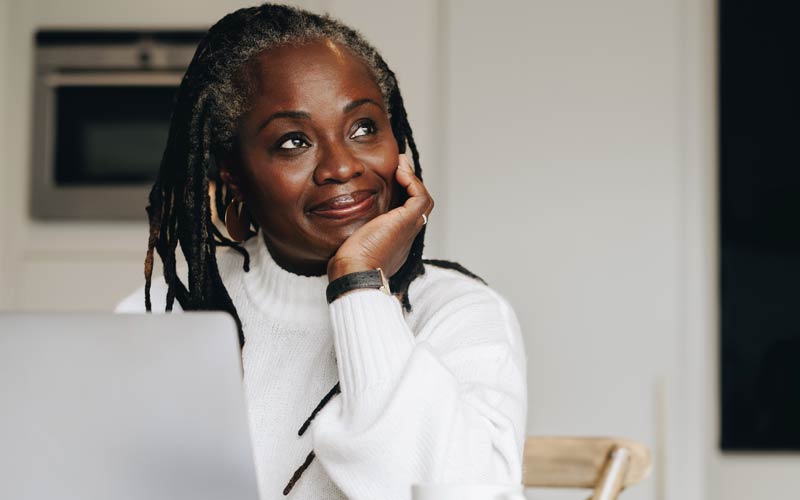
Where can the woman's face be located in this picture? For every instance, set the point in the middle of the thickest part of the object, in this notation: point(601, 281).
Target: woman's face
point(317, 133)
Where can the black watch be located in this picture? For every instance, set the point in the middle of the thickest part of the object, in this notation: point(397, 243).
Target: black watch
point(373, 278)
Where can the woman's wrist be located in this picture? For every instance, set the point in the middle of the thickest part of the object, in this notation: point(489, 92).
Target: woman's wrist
point(373, 278)
point(338, 268)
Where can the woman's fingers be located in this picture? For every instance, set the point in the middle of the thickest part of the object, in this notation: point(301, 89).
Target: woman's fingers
point(409, 180)
point(419, 201)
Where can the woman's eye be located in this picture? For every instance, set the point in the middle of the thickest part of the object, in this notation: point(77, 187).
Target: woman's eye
point(364, 128)
point(293, 142)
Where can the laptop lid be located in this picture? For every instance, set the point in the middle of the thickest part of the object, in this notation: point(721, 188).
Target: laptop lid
point(101, 406)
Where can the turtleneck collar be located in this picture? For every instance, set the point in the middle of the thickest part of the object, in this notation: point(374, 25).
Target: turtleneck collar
point(280, 294)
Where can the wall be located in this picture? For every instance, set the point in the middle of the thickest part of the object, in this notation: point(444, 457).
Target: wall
point(563, 146)
point(4, 229)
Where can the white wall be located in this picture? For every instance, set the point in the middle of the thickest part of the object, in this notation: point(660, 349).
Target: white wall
point(570, 146)
point(5, 167)
point(563, 187)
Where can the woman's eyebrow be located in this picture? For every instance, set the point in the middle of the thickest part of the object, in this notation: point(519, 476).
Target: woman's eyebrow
point(353, 105)
point(298, 115)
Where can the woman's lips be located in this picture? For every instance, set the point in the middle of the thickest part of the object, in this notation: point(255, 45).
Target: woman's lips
point(346, 206)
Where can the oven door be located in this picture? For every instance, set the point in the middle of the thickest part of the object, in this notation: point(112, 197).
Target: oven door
point(98, 142)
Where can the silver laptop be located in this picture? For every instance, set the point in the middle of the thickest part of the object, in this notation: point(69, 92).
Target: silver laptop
point(104, 406)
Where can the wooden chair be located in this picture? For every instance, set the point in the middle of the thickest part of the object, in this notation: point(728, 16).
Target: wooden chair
point(607, 465)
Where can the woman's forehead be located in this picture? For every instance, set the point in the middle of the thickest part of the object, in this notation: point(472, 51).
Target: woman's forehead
point(292, 73)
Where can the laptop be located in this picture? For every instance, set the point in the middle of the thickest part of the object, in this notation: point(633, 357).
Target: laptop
point(124, 407)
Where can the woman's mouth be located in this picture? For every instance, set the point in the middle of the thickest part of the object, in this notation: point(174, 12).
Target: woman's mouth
point(346, 206)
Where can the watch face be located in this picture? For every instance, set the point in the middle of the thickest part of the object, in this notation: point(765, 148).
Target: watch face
point(384, 283)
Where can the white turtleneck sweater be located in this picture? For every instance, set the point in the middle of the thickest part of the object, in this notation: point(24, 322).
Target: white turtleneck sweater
point(434, 395)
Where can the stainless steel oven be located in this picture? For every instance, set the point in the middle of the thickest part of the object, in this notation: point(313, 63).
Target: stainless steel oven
point(102, 105)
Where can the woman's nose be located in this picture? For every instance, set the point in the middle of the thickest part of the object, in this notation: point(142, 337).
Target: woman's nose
point(337, 165)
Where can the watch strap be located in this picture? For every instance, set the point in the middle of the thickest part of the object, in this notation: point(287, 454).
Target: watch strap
point(373, 278)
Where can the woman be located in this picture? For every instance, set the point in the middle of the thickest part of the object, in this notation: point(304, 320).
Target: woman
point(299, 124)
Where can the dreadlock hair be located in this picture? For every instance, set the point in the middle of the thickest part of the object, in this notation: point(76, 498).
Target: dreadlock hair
point(215, 92)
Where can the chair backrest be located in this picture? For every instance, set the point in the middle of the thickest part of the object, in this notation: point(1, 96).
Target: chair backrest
point(605, 464)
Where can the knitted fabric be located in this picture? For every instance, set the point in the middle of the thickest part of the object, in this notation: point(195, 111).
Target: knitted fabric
point(437, 394)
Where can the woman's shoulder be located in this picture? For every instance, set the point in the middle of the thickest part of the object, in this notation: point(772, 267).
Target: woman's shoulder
point(449, 294)
point(447, 281)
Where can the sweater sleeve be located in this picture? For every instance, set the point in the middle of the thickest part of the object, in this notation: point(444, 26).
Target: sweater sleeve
point(445, 405)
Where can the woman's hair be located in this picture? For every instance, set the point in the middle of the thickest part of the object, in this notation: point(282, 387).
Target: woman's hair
point(215, 92)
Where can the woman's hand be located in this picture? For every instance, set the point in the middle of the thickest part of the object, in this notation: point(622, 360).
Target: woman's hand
point(385, 240)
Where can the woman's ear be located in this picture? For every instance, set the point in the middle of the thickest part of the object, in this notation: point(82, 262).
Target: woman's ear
point(227, 167)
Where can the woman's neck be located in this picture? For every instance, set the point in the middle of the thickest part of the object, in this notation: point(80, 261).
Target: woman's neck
point(300, 267)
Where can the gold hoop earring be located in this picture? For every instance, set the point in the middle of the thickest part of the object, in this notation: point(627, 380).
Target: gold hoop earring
point(237, 221)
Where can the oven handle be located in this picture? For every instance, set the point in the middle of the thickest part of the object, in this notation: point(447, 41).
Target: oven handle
point(122, 78)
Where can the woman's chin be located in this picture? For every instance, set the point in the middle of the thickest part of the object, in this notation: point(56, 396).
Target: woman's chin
point(335, 239)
